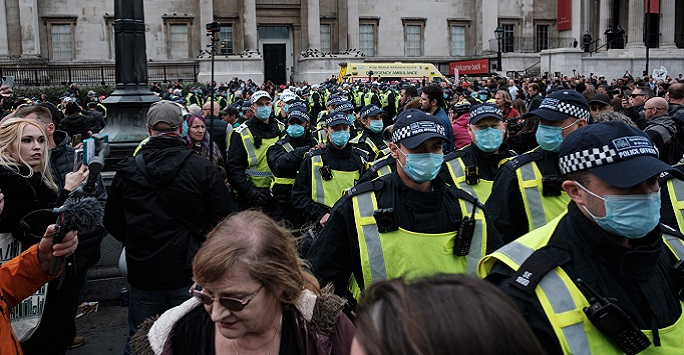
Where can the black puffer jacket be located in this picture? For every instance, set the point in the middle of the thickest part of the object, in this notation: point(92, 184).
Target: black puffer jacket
point(146, 216)
point(74, 124)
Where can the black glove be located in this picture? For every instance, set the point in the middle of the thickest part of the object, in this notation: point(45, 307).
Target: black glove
point(259, 198)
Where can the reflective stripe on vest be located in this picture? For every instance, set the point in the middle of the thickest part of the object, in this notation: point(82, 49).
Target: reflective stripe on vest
point(327, 192)
point(540, 209)
point(257, 166)
point(563, 302)
point(384, 170)
point(457, 171)
point(404, 253)
point(281, 180)
point(675, 188)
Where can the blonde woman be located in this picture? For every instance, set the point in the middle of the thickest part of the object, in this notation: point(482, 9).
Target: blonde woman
point(27, 185)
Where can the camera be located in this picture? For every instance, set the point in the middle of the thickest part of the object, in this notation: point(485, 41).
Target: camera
point(213, 27)
point(386, 220)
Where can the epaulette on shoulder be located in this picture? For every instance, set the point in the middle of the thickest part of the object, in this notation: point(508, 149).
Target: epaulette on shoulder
point(380, 163)
point(364, 154)
point(520, 160)
point(367, 186)
point(460, 194)
point(672, 231)
point(455, 154)
point(241, 127)
point(316, 151)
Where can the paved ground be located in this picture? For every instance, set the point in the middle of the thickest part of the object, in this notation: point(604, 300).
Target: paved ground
point(104, 331)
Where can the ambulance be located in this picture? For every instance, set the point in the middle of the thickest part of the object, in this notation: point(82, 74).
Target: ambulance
point(352, 72)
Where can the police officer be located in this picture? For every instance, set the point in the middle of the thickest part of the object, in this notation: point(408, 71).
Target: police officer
point(404, 224)
point(370, 138)
point(284, 159)
point(605, 255)
point(527, 192)
point(316, 101)
point(194, 97)
point(328, 171)
point(248, 171)
point(347, 108)
point(474, 167)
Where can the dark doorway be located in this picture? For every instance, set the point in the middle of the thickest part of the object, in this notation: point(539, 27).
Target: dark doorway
point(274, 63)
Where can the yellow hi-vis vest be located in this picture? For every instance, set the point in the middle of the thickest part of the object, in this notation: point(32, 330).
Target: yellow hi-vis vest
point(675, 188)
point(377, 152)
point(540, 209)
point(327, 192)
point(563, 302)
point(481, 190)
point(404, 253)
point(281, 180)
point(257, 165)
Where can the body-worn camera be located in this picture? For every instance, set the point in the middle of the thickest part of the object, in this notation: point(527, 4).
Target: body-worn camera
point(472, 176)
point(613, 322)
point(551, 185)
point(386, 220)
point(326, 172)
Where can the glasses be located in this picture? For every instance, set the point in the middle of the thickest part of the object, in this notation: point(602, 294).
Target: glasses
point(634, 96)
point(230, 303)
point(597, 108)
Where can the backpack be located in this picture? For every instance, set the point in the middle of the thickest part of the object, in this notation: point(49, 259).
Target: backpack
point(676, 152)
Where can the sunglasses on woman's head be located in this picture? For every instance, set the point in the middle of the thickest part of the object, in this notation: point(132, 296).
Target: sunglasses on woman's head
point(230, 303)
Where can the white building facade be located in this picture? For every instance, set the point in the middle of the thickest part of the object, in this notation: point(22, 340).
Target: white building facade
point(282, 40)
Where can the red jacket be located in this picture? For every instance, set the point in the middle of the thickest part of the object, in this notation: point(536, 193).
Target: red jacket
point(19, 278)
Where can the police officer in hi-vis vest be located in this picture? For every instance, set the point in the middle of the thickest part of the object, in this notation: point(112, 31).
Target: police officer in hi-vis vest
point(246, 164)
point(406, 224)
point(604, 277)
point(474, 167)
point(527, 192)
point(326, 172)
point(284, 158)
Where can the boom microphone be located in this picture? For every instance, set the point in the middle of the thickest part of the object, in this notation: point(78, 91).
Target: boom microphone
point(82, 214)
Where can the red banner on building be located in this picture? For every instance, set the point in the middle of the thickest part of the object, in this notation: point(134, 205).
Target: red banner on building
point(564, 12)
point(654, 4)
point(469, 67)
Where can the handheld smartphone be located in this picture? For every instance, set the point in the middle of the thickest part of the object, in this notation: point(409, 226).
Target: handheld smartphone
point(78, 159)
point(76, 140)
point(8, 81)
point(88, 150)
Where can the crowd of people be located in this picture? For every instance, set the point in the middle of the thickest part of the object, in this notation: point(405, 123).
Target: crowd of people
point(318, 215)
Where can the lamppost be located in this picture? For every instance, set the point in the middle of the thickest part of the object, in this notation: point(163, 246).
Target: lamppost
point(498, 33)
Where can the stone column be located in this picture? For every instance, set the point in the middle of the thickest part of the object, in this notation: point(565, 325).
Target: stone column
point(527, 25)
point(250, 25)
point(489, 17)
point(30, 32)
point(635, 31)
point(313, 21)
point(127, 106)
point(4, 41)
point(667, 24)
point(353, 24)
point(206, 16)
point(605, 19)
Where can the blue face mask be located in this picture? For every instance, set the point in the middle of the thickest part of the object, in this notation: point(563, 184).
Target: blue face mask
point(286, 107)
point(483, 97)
point(549, 137)
point(376, 126)
point(263, 112)
point(488, 139)
point(446, 96)
point(351, 119)
point(629, 216)
point(340, 138)
point(422, 167)
point(295, 130)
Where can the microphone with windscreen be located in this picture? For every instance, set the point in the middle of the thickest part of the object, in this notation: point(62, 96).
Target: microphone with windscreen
point(82, 214)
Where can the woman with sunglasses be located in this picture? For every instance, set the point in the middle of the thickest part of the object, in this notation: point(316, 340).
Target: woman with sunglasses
point(253, 295)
